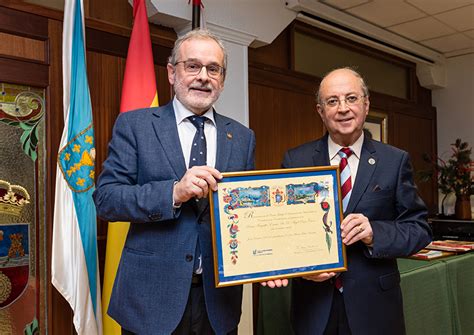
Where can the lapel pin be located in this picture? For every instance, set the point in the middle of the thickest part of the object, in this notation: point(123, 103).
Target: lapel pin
point(229, 136)
point(371, 161)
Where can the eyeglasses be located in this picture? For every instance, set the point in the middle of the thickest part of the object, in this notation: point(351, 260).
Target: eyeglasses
point(350, 100)
point(194, 68)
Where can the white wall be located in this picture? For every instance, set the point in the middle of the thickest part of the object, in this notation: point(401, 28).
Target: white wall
point(455, 107)
point(234, 101)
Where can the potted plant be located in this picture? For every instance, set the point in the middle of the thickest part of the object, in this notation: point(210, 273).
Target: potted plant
point(454, 176)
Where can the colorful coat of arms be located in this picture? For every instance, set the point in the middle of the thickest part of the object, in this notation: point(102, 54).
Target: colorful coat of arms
point(14, 262)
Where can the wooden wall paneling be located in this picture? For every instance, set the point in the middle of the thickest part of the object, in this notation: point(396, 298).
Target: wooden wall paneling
point(404, 107)
point(349, 44)
point(161, 54)
point(276, 54)
point(283, 79)
point(26, 7)
point(415, 135)
point(391, 105)
point(112, 11)
point(281, 117)
point(165, 91)
point(34, 74)
point(282, 123)
point(423, 95)
point(106, 42)
point(161, 35)
point(291, 48)
point(379, 101)
point(23, 24)
point(117, 45)
point(105, 74)
point(119, 16)
point(413, 86)
point(22, 47)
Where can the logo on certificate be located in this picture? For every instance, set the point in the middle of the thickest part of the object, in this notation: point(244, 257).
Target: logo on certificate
point(262, 252)
point(278, 196)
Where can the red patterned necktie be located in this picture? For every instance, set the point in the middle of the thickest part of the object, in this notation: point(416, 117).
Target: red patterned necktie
point(346, 190)
point(346, 180)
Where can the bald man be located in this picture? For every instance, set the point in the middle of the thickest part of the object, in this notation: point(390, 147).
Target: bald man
point(384, 218)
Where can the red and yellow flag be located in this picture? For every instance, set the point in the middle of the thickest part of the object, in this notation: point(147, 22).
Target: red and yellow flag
point(139, 86)
point(138, 91)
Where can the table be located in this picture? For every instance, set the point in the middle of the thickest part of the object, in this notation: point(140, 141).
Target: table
point(438, 298)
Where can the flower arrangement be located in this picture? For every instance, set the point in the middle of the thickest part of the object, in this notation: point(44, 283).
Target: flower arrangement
point(454, 174)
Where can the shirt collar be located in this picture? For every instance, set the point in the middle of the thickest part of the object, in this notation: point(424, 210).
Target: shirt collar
point(182, 113)
point(333, 147)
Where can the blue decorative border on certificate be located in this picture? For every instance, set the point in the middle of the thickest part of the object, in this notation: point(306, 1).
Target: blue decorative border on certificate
point(297, 194)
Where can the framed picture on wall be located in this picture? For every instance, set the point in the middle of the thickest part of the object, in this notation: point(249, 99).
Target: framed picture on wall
point(376, 124)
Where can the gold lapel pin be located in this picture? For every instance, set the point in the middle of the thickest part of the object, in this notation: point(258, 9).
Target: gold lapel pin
point(229, 136)
point(371, 161)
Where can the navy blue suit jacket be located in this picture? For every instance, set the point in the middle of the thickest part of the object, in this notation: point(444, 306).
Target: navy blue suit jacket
point(385, 193)
point(154, 276)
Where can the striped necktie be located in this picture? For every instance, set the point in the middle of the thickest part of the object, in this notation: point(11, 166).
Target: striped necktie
point(346, 190)
point(346, 180)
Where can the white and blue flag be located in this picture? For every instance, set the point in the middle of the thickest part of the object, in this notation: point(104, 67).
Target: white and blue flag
point(74, 270)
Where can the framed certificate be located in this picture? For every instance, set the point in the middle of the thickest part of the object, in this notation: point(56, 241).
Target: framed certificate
point(276, 224)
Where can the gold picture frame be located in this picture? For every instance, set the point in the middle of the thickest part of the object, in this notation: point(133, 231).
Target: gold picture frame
point(377, 124)
point(276, 224)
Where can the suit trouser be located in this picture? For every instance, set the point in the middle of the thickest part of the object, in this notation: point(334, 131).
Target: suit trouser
point(195, 320)
point(337, 323)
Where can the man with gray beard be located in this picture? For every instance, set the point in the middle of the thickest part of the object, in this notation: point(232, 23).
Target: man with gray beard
point(160, 167)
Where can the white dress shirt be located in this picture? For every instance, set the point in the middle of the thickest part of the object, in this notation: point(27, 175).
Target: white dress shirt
point(353, 159)
point(186, 132)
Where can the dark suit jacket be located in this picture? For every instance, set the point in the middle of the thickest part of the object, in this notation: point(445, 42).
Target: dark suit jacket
point(385, 193)
point(154, 276)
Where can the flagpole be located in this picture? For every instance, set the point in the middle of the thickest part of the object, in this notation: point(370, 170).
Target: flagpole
point(196, 23)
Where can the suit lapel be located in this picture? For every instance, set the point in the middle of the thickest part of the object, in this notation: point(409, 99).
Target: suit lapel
point(364, 173)
point(321, 153)
point(224, 142)
point(166, 130)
